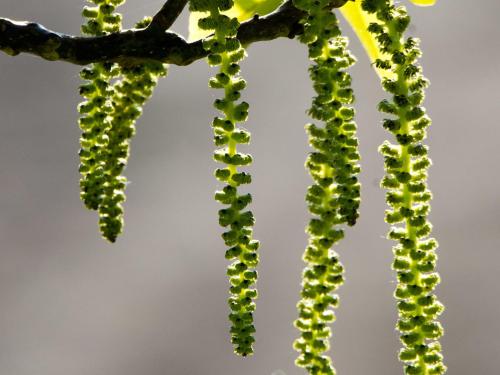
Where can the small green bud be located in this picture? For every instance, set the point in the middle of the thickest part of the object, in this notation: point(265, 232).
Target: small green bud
point(401, 292)
point(90, 12)
point(222, 174)
point(241, 136)
point(410, 338)
point(401, 264)
point(387, 107)
point(242, 178)
point(414, 370)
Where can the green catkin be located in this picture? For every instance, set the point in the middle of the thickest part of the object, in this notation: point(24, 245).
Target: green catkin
point(333, 199)
point(406, 164)
point(108, 121)
point(129, 95)
point(95, 120)
point(131, 92)
point(225, 52)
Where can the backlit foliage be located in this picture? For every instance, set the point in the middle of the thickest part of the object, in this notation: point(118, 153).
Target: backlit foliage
point(114, 94)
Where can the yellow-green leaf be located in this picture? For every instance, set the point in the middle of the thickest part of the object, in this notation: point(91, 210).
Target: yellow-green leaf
point(242, 10)
point(424, 3)
point(359, 21)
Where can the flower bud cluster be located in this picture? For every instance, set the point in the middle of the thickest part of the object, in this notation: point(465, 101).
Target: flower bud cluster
point(333, 199)
point(96, 110)
point(130, 94)
point(406, 164)
point(108, 123)
point(102, 18)
point(226, 52)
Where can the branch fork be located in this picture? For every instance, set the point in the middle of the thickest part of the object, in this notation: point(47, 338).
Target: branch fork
point(138, 45)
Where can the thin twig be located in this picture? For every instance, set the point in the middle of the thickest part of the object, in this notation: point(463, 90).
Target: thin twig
point(166, 16)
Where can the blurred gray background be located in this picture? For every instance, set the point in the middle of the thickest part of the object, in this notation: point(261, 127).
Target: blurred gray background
point(155, 302)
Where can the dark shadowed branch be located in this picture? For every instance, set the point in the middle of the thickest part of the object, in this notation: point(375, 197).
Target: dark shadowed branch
point(167, 15)
point(152, 43)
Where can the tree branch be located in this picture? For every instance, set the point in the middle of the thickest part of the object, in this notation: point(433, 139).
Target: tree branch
point(167, 15)
point(152, 43)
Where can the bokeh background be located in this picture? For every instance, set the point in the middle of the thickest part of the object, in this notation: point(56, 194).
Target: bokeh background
point(155, 302)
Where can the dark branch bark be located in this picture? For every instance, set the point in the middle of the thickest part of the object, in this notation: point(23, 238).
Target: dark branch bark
point(167, 15)
point(152, 43)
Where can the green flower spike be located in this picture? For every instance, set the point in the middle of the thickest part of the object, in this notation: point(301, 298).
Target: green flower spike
point(95, 121)
point(406, 164)
point(225, 52)
point(108, 119)
point(129, 95)
point(334, 197)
